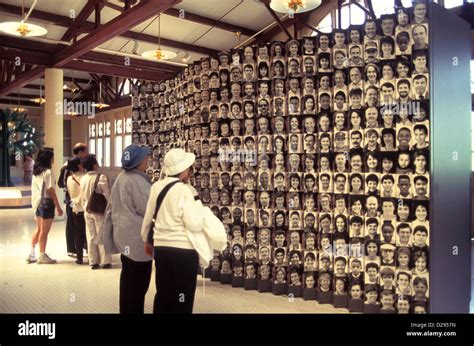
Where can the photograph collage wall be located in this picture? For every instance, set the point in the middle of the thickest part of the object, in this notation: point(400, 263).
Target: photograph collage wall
point(314, 153)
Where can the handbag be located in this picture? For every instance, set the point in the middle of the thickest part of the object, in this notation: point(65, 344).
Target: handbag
point(159, 200)
point(97, 202)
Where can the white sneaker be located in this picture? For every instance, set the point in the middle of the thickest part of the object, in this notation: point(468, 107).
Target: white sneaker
point(45, 259)
point(31, 259)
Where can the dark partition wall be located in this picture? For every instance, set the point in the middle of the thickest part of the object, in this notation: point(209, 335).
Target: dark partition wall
point(450, 56)
point(316, 155)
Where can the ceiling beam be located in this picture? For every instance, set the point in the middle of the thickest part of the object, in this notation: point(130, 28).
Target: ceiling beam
point(196, 18)
point(22, 103)
point(123, 101)
point(17, 47)
point(88, 27)
point(192, 17)
point(122, 71)
point(47, 17)
point(80, 20)
point(132, 35)
point(26, 56)
point(22, 80)
point(269, 34)
point(139, 63)
point(32, 96)
point(118, 25)
point(114, 6)
point(276, 18)
point(100, 82)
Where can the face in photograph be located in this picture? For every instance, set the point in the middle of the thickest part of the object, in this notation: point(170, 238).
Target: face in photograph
point(354, 35)
point(420, 36)
point(308, 46)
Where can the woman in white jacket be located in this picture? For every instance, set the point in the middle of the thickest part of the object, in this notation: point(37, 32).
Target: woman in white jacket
point(176, 258)
point(94, 222)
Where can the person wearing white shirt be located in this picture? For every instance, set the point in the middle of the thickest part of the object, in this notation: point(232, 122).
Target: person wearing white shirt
point(43, 200)
point(180, 213)
point(74, 189)
point(94, 222)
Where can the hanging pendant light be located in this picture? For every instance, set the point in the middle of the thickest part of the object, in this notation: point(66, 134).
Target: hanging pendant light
point(22, 28)
point(294, 6)
point(159, 54)
point(101, 104)
point(18, 108)
point(39, 100)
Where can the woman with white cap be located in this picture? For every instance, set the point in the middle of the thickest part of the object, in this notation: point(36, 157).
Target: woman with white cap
point(165, 233)
point(128, 207)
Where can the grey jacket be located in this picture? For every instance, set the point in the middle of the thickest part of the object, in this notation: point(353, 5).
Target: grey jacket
point(127, 207)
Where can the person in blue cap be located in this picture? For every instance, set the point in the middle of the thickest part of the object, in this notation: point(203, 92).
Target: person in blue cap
point(128, 200)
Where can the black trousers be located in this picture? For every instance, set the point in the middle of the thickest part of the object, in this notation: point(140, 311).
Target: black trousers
point(69, 229)
point(176, 276)
point(134, 283)
point(79, 227)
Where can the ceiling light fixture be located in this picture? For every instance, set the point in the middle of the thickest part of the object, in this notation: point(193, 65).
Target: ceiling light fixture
point(159, 54)
point(135, 48)
point(39, 100)
point(186, 58)
point(22, 28)
point(294, 6)
point(101, 104)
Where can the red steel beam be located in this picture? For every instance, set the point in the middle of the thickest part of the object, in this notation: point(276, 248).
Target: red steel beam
point(276, 18)
point(22, 80)
point(26, 56)
point(64, 21)
point(122, 71)
point(120, 60)
point(80, 20)
point(192, 17)
point(115, 27)
point(16, 47)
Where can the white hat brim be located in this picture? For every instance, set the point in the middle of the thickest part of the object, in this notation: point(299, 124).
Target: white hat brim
point(188, 161)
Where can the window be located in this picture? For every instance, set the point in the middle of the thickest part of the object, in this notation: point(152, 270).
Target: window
point(126, 88)
point(128, 131)
point(325, 25)
point(92, 136)
point(100, 144)
point(384, 7)
point(352, 14)
point(118, 142)
point(107, 149)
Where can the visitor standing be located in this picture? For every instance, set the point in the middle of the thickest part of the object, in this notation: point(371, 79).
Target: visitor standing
point(94, 181)
point(44, 201)
point(80, 150)
point(176, 259)
point(128, 206)
point(74, 190)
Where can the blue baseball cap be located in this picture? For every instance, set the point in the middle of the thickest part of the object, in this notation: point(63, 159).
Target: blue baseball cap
point(133, 155)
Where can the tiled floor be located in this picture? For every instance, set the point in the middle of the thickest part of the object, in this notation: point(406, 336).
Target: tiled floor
point(67, 287)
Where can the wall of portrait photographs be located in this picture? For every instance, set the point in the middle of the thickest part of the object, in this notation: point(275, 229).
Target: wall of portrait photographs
point(315, 155)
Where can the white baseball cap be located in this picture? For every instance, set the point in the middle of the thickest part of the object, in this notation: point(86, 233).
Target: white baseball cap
point(177, 160)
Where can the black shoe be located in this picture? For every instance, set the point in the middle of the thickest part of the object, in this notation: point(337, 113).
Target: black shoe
point(79, 261)
point(107, 266)
point(95, 266)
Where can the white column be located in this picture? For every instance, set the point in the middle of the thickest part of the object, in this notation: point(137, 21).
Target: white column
point(54, 119)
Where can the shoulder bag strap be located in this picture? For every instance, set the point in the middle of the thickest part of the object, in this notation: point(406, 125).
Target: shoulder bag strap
point(159, 201)
point(96, 182)
point(42, 192)
point(75, 180)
